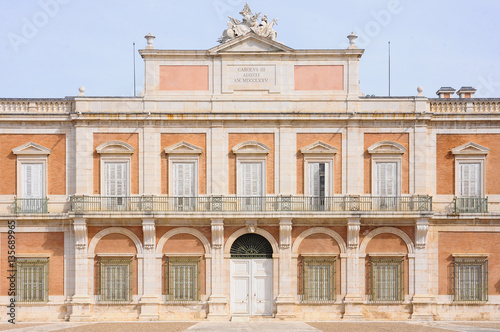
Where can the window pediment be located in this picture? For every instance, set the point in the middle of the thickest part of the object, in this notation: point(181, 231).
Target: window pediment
point(319, 148)
point(183, 148)
point(115, 147)
point(470, 148)
point(386, 147)
point(251, 147)
point(31, 149)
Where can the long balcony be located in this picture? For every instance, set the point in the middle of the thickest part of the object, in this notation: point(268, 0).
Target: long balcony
point(417, 203)
point(471, 204)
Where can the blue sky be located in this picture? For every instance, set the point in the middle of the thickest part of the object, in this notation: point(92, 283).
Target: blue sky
point(51, 47)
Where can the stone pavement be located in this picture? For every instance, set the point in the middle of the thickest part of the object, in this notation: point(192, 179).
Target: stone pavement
point(259, 326)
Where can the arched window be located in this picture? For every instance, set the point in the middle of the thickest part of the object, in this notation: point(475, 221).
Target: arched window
point(251, 246)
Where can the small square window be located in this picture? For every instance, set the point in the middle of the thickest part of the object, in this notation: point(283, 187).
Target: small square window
point(386, 280)
point(182, 279)
point(115, 280)
point(470, 279)
point(32, 279)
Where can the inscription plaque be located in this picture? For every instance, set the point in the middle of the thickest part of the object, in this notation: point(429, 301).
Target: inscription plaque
point(250, 77)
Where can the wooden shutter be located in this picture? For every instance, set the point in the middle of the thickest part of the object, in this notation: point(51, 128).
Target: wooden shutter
point(251, 179)
point(32, 180)
point(116, 179)
point(314, 179)
point(184, 179)
point(470, 177)
point(387, 179)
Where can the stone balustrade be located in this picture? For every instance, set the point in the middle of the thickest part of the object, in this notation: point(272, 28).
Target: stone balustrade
point(48, 106)
point(465, 105)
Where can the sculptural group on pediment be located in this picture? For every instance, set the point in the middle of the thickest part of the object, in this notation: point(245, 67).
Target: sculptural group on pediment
point(250, 23)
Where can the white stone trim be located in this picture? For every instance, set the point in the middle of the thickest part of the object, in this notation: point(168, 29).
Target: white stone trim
point(390, 230)
point(386, 147)
point(183, 230)
point(251, 147)
point(470, 148)
point(115, 147)
point(183, 148)
point(470, 255)
point(318, 230)
point(319, 147)
point(31, 149)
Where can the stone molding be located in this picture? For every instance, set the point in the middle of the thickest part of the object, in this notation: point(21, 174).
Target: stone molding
point(81, 234)
point(117, 230)
point(149, 230)
point(183, 148)
point(251, 147)
point(183, 230)
point(115, 147)
point(318, 230)
point(390, 230)
point(319, 148)
point(386, 147)
point(242, 231)
point(31, 149)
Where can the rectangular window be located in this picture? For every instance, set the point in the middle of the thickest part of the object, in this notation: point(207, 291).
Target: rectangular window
point(386, 280)
point(182, 279)
point(318, 280)
point(116, 187)
point(471, 279)
point(33, 188)
point(184, 186)
point(318, 179)
point(470, 179)
point(251, 186)
point(387, 179)
point(115, 280)
point(32, 280)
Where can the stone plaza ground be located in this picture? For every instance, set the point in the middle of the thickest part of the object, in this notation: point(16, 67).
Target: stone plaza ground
point(273, 326)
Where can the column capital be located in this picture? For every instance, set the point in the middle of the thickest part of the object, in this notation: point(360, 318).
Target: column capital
point(80, 229)
point(421, 229)
point(353, 226)
point(217, 233)
point(285, 233)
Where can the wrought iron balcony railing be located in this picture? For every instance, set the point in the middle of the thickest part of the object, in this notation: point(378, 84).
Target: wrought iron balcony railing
point(249, 204)
point(471, 204)
point(30, 205)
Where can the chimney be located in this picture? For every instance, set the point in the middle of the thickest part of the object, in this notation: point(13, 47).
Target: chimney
point(445, 92)
point(466, 92)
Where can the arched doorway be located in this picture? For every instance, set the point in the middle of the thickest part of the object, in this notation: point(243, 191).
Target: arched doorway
point(251, 276)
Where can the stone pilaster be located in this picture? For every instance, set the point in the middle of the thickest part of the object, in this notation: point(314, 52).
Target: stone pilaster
point(285, 301)
point(80, 303)
point(353, 301)
point(149, 300)
point(422, 301)
point(217, 303)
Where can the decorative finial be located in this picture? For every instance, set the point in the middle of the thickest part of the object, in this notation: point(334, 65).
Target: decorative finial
point(420, 90)
point(82, 90)
point(149, 38)
point(352, 41)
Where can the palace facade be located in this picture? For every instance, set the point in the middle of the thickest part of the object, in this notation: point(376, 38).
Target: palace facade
point(251, 180)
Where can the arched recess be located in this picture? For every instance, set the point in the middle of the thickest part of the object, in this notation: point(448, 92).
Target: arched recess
point(112, 230)
point(390, 230)
point(260, 231)
point(183, 230)
point(316, 230)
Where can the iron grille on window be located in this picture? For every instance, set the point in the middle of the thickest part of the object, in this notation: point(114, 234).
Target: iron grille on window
point(182, 280)
point(470, 279)
point(32, 278)
point(318, 280)
point(386, 280)
point(115, 280)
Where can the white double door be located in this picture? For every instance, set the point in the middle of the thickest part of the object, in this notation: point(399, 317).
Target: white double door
point(251, 287)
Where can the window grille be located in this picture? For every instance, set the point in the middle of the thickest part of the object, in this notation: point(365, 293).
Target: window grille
point(32, 278)
point(115, 280)
point(386, 280)
point(182, 280)
point(470, 279)
point(318, 280)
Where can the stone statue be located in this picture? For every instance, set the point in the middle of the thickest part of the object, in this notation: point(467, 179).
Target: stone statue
point(249, 24)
